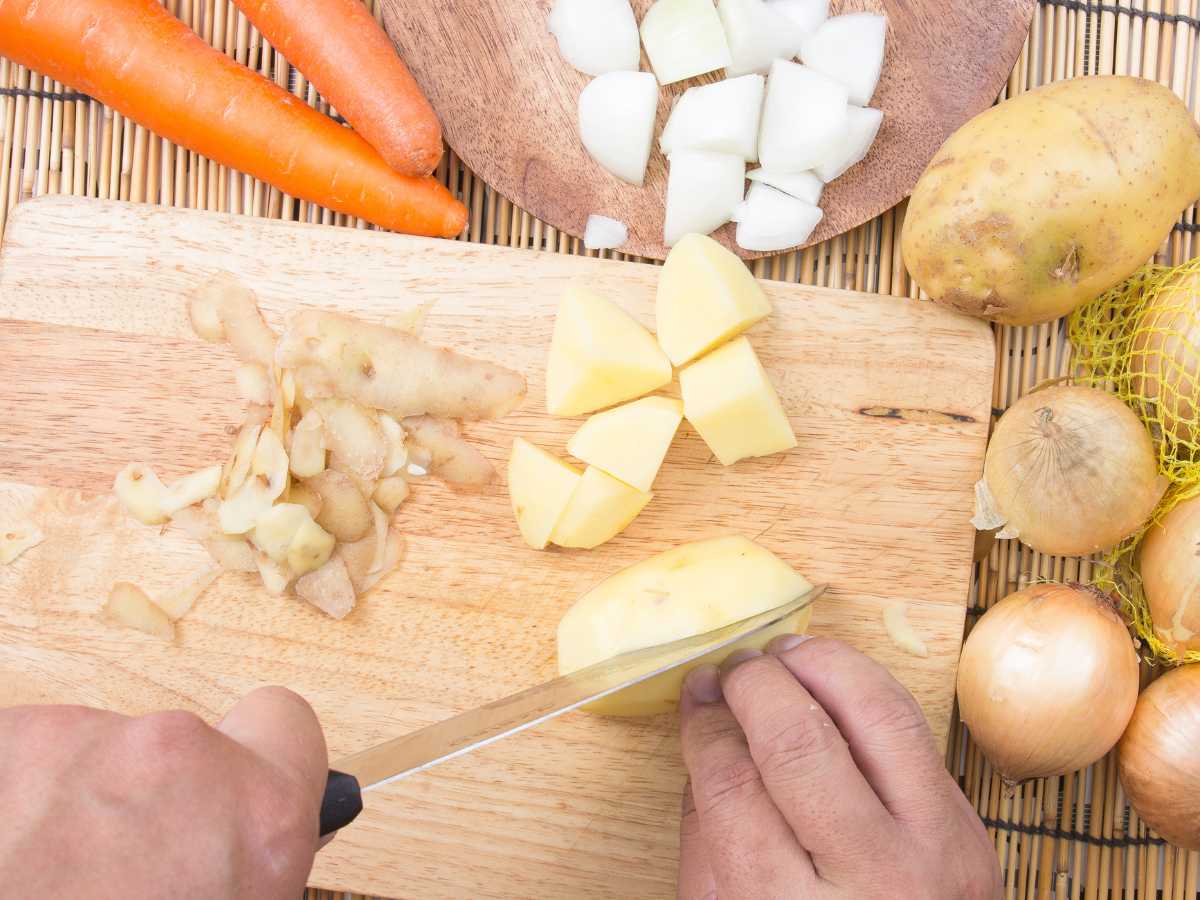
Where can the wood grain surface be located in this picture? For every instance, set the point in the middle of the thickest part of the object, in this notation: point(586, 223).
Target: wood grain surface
point(889, 398)
point(508, 103)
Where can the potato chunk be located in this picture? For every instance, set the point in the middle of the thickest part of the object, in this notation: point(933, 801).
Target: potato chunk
point(631, 441)
point(683, 592)
point(600, 508)
point(540, 486)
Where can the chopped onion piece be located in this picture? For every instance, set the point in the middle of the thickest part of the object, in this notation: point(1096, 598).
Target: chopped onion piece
point(849, 49)
point(771, 220)
point(758, 34)
point(807, 15)
point(703, 190)
point(862, 124)
point(16, 539)
point(683, 39)
point(803, 118)
point(596, 36)
point(603, 233)
point(616, 122)
point(802, 185)
point(900, 630)
point(722, 117)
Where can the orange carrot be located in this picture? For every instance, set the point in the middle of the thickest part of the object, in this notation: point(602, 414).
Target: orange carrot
point(342, 50)
point(136, 57)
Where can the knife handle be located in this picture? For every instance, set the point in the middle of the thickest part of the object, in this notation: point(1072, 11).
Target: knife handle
point(342, 802)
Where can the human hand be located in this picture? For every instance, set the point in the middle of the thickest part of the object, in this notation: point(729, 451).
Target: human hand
point(98, 804)
point(815, 776)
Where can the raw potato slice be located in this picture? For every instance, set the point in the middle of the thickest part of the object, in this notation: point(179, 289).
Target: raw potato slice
point(16, 539)
point(803, 120)
point(141, 493)
point(631, 441)
point(849, 49)
point(253, 383)
point(224, 309)
point(686, 591)
point(596, 36)
point(729, 399)
point(451, 458)
point(180, 601)
point(540, 486)
point(345, 512)
point(862, 125)
point(355, 440)
point(771, 220)
point(385, 369)
point(599, 356)
point(804, 186)
point(128, 605)
point(683, 39)
point(600, 508)
point(329, 589)
point(191, 489)
point(703, 190)
point(306, 456)
point(706, 296)
point(722, 117)
point(758, 34)
point(616, 122)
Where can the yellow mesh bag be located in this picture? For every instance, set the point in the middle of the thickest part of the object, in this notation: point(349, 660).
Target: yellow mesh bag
point(1141, 340)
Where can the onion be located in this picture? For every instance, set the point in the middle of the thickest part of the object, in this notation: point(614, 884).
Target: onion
point(684, 38)
point(722, 117)
point(1170, 568)
point(802, 185)
point(616, 122)
point(803, 118)
point(807, 15)
point(862, 124)
point(603, 233)
point(1070, 471)
point(1047, 681)
point(1158, 758)
point(1164, 362)
point(849, 49)
point(771, 220)
point(596, 36)
point(758, 35)
point(703, 190)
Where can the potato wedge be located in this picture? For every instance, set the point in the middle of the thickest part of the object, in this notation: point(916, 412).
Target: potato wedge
point(225, 301)
point(328, 588)
point(389, 370)
point(451, 458)
point(345, 512)
point(128, 605)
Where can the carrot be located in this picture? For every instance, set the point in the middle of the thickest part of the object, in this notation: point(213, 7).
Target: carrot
point(342, 50)
point(136, 57)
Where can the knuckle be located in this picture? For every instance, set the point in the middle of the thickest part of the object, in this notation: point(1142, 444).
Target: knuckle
point(894, 713)
point(170, 733)
point(799, 746)
point(727, 787)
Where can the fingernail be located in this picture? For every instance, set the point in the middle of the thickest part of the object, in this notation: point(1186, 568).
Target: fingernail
point(736, 658)
point(704, 684)
point(786, 642)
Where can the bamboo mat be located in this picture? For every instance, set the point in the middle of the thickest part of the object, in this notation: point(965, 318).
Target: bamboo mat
point(1069, 837)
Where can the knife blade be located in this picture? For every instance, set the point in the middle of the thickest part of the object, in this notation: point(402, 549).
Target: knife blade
point(419, 750)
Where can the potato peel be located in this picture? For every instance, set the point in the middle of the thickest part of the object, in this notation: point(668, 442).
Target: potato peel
point(128, 605)
point(16, 539)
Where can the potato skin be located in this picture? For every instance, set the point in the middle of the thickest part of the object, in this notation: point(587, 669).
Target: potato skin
point(1045, 201)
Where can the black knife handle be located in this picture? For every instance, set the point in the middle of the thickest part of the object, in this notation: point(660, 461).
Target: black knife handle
point(342, 802)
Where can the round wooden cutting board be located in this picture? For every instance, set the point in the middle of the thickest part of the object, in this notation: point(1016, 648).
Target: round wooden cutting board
point(507, 101)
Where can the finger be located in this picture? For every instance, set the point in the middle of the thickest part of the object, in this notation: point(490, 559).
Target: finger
point(751, 849)
point(807, 767)
point(887, 732)
point(695, 876)
point(280, 727)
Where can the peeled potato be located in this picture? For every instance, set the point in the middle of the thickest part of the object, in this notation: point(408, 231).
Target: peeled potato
point(686, 591)
point(345, 512)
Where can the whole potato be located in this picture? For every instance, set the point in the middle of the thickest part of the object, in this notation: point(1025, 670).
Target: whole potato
point(1047, 200)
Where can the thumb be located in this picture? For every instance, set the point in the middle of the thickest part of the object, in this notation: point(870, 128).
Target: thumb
point(280, 728)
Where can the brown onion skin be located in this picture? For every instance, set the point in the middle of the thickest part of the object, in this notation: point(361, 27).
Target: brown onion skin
point(1159, 757)
point(1034, 689)
point(1169, 563)
point(1073, 470)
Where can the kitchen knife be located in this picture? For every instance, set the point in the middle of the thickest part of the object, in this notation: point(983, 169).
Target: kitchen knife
point(479, 727)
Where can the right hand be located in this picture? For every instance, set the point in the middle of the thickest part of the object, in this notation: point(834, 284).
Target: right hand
point(814, 775)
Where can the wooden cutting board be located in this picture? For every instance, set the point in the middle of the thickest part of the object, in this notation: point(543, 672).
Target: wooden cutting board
point(508, 103)
point(98, 367)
